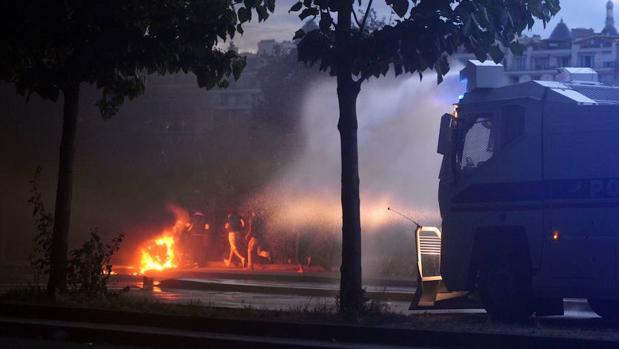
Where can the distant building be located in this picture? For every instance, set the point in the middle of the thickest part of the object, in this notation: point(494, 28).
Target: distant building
point(238, 100)
point(243, 95)
point(579, 47)
point(266, 47)
point(274, 48)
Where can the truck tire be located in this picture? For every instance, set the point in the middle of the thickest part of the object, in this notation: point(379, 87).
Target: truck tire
point(505, 285)
point(607, 309)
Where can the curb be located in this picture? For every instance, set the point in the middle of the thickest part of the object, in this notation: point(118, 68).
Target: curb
point(299, 291)
point(331, 333)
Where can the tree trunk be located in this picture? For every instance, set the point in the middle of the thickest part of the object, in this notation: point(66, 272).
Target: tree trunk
point(62, 214)
point(351, 293)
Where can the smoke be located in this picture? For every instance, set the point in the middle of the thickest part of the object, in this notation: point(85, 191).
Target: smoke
point(180, 214)
point(123, 178)
point(398, 164)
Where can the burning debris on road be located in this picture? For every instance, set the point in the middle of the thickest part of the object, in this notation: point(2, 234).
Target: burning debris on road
point(301, 237)
point(159, 254)
point(189, 242)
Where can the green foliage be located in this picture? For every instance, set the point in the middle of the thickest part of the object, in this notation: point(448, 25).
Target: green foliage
point(423, 35)
point(40, 257)
point(90, 266)
point(48, 46)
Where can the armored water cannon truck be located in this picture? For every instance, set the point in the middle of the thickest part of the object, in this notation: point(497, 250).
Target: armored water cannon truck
point(529, 194)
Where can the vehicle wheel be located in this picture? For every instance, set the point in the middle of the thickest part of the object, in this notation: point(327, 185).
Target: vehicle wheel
point(505, 286)
point(608, 309)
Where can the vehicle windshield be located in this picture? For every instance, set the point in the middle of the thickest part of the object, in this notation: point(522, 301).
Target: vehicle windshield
point(478, 142)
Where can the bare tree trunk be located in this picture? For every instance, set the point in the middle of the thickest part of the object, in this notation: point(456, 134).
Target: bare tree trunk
point(62, 214)
point(351, 294)
point(3, 231)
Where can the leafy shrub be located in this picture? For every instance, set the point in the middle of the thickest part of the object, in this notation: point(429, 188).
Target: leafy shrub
point(89, 266)
point(40, 257)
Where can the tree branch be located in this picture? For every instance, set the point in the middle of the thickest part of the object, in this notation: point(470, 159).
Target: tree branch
point(365, 16)
point(354, 14)
point(362, 77)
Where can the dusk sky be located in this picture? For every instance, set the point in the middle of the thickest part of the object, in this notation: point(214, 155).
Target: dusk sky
point(282, 25)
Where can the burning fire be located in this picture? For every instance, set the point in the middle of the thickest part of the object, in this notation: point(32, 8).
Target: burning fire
point(159, 254)
point(162, 252)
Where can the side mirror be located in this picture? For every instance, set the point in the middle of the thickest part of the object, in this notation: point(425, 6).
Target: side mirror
point(444, 139)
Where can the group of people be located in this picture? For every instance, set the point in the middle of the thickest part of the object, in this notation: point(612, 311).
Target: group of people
point(201, 244)
point(253, 231)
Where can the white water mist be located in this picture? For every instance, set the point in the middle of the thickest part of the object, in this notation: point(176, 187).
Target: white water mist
point(398, 164)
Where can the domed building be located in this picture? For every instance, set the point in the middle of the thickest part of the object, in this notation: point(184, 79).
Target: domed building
point(561, 33)
point(565, 47)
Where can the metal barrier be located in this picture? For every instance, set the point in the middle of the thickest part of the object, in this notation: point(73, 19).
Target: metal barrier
point(430, 288)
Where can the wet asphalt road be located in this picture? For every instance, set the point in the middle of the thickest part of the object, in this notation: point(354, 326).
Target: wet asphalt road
point(231, 298)
point(30, 343)
point(574, 308)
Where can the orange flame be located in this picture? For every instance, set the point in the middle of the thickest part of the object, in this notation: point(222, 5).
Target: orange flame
point(161, 252)
point(158, 254)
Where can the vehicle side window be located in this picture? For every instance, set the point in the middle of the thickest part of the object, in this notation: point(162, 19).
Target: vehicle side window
point(512, 117)
point(479, 142)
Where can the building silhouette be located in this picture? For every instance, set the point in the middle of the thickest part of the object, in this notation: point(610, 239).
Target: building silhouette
point(565, 47)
